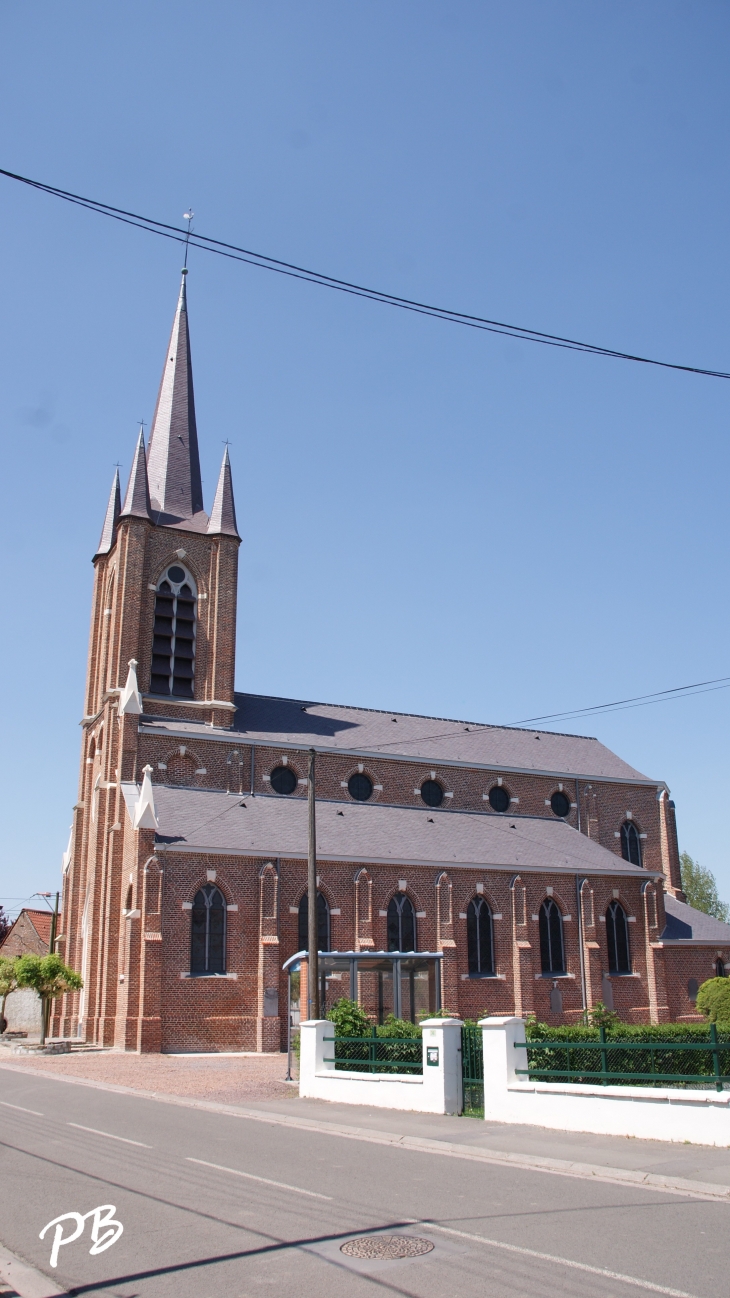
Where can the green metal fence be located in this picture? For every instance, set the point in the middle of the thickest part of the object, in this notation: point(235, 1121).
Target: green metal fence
point(375, 1054)
point(639, 1063)
point(472, 1070)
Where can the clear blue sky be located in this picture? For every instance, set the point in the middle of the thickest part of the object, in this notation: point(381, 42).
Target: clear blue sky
point(433, 520)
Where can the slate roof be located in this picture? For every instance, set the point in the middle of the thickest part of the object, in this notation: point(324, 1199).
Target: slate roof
point(173, 464)
point(200, 820)
point(301, 723)
point(223, 513)
point(685, 924)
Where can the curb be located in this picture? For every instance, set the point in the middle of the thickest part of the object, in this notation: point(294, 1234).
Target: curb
point(26, 1280)
point(707, 1190)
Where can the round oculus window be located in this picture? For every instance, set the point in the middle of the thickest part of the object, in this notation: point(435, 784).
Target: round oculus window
point(432, 793)
point(283, 779)
point(360, 787)
point(176, 574)
point(499, 798)
point(560, 804)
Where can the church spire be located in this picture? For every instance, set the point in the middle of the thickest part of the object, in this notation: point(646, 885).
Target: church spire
point(137, 499)
point(109, 530)
point(223, 513)
point(172, 462)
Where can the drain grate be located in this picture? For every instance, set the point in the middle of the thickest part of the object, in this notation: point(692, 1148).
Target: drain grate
point(388, 1247)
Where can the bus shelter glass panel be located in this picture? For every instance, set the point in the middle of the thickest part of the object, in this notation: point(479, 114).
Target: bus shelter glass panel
point(334, 982)
point(376, 988)
point(417, 989)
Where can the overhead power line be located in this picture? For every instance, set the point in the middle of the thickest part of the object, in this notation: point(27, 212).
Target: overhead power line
point(264, 262)
point(598, 709)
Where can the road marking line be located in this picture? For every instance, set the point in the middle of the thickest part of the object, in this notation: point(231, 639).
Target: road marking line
point(598, 1173)
point(280, 1185)
point(559, 1261)
point(20, 1109)
point(95, 1132)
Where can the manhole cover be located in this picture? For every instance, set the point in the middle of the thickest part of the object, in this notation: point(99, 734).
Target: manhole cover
point(386, 1246)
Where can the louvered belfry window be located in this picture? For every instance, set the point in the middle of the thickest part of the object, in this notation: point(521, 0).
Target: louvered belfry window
point(173, 644)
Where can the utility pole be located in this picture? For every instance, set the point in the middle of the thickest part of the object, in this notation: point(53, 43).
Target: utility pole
point(51, 948)
point(312, 908)
point(54, 926)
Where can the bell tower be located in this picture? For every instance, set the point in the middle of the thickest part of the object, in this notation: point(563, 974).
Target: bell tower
point(162, 643)
point(165, 571)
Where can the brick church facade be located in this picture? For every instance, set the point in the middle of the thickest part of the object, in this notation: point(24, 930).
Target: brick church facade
point(541, 869)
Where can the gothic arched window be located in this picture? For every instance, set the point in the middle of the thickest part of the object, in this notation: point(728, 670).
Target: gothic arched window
point(208, 932)
point(401, 923)
point(552, 947)
point(479, 937)
point(617, 935)
point(323, 923)
point(173, 642)
point(720, 967)
point(630, 843)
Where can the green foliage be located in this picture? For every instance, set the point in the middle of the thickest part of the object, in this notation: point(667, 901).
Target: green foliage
point(8, 980)
point(393, 1027)
point(47, 975)
point(700, 888)
point(349, 1018)
point(602, 1016)
point(695, 1063)
point(8, 983)
point(713, 1000)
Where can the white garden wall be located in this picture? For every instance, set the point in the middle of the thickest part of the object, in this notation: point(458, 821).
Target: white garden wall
point(437, 1090)
point(23, 1012)
point(656, 1113)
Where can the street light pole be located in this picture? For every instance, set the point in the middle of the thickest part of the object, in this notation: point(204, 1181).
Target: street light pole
point(312, 908)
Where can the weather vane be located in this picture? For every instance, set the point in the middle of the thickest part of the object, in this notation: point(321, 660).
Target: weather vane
point(187, 216)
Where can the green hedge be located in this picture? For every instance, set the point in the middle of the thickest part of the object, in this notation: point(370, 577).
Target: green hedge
point(696, 1063)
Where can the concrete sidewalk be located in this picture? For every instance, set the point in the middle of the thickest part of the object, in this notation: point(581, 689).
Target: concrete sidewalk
point(694, 1162)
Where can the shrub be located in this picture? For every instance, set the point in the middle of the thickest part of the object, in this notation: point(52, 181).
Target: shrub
point(393, 1027)
point(713, 1000)
point(349, 1018)
point(602, 1016)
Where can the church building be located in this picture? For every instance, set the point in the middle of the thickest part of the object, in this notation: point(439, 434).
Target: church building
point(483, 869)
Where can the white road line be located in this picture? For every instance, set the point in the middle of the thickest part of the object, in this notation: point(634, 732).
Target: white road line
point(20, 1109)
point(108, 1135)
point(559, 1261)
point(280, 1185)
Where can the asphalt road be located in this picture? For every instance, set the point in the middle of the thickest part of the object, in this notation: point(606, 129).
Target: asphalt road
point(213, 1204)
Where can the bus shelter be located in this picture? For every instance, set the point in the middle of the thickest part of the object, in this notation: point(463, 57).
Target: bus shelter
point(406, 984)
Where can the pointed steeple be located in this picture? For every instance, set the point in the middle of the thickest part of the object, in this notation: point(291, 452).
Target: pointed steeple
point(109, 530)
point(173, 464)
point(137, 499)
point(223, 513)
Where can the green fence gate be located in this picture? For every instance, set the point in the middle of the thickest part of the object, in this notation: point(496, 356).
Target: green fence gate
point(472, 1070)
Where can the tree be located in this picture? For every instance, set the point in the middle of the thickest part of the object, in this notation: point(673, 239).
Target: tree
point(8, 984)
point(4, 924)
point(713, 1000)
point(49, 977)
point(700, 889)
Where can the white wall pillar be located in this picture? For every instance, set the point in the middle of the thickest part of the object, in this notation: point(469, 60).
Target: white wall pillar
point(312, 1052)
point(501, 1057)
point(442, 1072)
